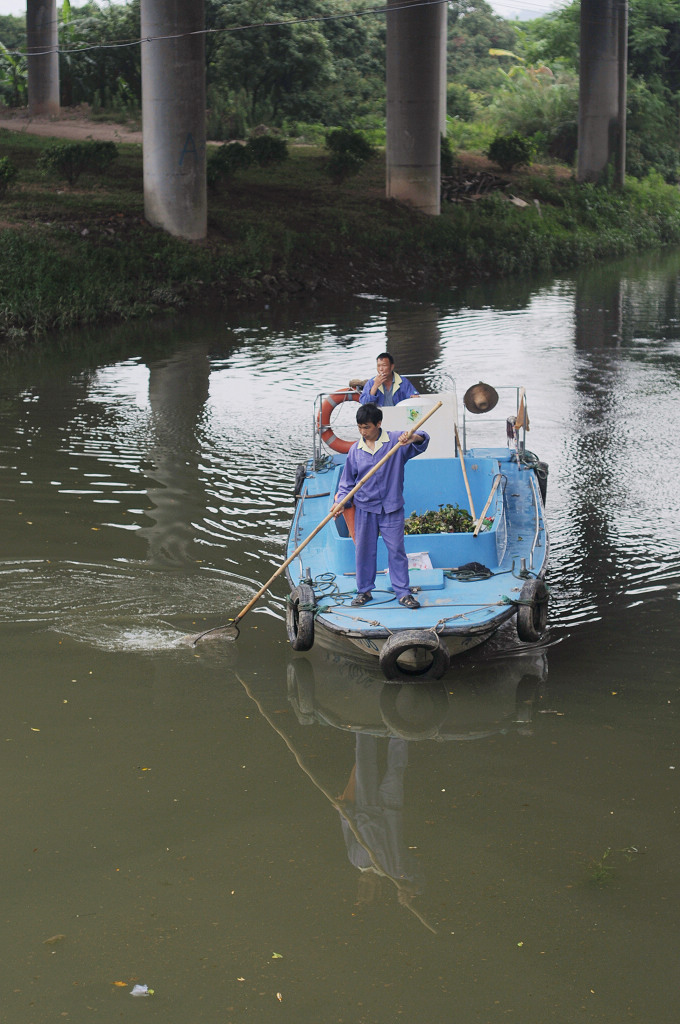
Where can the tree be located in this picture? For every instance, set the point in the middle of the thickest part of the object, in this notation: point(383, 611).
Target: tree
point(108, 76)
point(276, 66)
point(473, 30)
point(654, 43)
point(305, 60)
point(13, 72)
point(554, 38)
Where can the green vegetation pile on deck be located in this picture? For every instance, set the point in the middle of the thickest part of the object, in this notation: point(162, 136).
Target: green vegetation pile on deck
point(84, 254)
point(445, 519)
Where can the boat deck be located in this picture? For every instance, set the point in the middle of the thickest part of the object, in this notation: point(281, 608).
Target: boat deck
point(451, 599)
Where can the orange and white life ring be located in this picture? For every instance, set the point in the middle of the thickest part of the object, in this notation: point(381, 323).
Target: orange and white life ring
point(324, 419)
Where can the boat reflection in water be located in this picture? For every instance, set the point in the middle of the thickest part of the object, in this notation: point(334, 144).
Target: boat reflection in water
point(494, 697)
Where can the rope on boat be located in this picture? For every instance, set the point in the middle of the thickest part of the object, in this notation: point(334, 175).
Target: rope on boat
point(469, 573)
point(528, 604)
point(528, 458)
point(324, 463)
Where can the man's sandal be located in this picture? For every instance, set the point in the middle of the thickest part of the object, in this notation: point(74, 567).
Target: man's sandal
point(361, 598)
point(409, 601)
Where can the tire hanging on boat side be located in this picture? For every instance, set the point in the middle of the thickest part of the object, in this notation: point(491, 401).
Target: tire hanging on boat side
point(300, 474)
point(300, 617)
point(541, 471)
point(532, 611)
point(408, 640)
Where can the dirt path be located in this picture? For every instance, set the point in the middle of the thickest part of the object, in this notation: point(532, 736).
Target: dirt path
point(76, 126)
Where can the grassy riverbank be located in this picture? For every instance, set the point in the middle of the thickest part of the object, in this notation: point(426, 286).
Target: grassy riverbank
point(84, 254)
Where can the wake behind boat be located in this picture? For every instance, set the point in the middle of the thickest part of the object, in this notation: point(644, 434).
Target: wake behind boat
point(468, 582)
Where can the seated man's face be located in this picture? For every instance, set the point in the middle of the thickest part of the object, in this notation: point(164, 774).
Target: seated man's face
point(384, 367)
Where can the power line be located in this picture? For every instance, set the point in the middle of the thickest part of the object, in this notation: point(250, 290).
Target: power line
point(126, 43)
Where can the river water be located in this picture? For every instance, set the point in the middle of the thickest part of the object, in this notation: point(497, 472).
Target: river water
point(172, 814)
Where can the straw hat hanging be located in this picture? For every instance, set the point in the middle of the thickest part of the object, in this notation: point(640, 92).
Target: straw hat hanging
point(480, 398)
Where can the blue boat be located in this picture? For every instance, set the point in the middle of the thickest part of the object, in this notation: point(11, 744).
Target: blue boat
point(467, 583)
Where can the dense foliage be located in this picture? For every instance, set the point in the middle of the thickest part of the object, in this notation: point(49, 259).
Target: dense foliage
point(653, 75)
point(304, 66)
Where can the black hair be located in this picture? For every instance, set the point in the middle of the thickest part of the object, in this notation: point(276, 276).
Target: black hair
point(369, 413)
point(385, 355)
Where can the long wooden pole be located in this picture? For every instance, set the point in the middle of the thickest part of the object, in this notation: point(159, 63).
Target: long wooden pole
point(327, 519)
point(478, 524)
point(462, 466)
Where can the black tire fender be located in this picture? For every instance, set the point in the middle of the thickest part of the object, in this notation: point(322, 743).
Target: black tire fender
point(300, 617)
point(419, 640)
point(300, 474)
point(541, 471)
point(532, 611)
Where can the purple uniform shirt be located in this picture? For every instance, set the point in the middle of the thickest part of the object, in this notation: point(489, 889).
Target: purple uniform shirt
point(384, 492)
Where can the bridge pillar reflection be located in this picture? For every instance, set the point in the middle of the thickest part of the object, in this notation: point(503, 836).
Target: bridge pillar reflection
point(43, 59)
point(414, 98)
point(173, 116)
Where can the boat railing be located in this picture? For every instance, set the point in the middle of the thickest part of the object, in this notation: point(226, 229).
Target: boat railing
point(436, 378)
point(520, 401)
point(537, 517)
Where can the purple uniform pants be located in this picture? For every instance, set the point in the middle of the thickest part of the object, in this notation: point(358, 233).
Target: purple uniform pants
point(367, 525)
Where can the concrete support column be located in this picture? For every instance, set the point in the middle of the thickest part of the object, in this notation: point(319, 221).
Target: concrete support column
point(602, 92)
point(414, 58)
point(42, 40)
point(444, 67)
point(173, 116)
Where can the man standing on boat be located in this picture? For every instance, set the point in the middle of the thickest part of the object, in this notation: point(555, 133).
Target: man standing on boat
point(387, 387)
point(379, 504)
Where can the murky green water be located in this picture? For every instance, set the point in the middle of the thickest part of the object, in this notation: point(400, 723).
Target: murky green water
point(171, 814)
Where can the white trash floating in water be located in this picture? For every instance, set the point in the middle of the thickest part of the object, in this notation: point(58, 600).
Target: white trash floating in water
point(141, 990)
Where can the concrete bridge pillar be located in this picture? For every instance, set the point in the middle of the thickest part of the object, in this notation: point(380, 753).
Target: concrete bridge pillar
point(173, 116)
point(602, 92)
point(444, 42)
point(414, 97)
point(43, 60)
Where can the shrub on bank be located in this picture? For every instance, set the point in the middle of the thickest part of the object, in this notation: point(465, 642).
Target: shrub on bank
point(266, 150)
point(349, 150)
point(447, 159)
point(224, 161)
point(261, 150)
point(508, 151)
point(8, 174)
point(69, 160)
